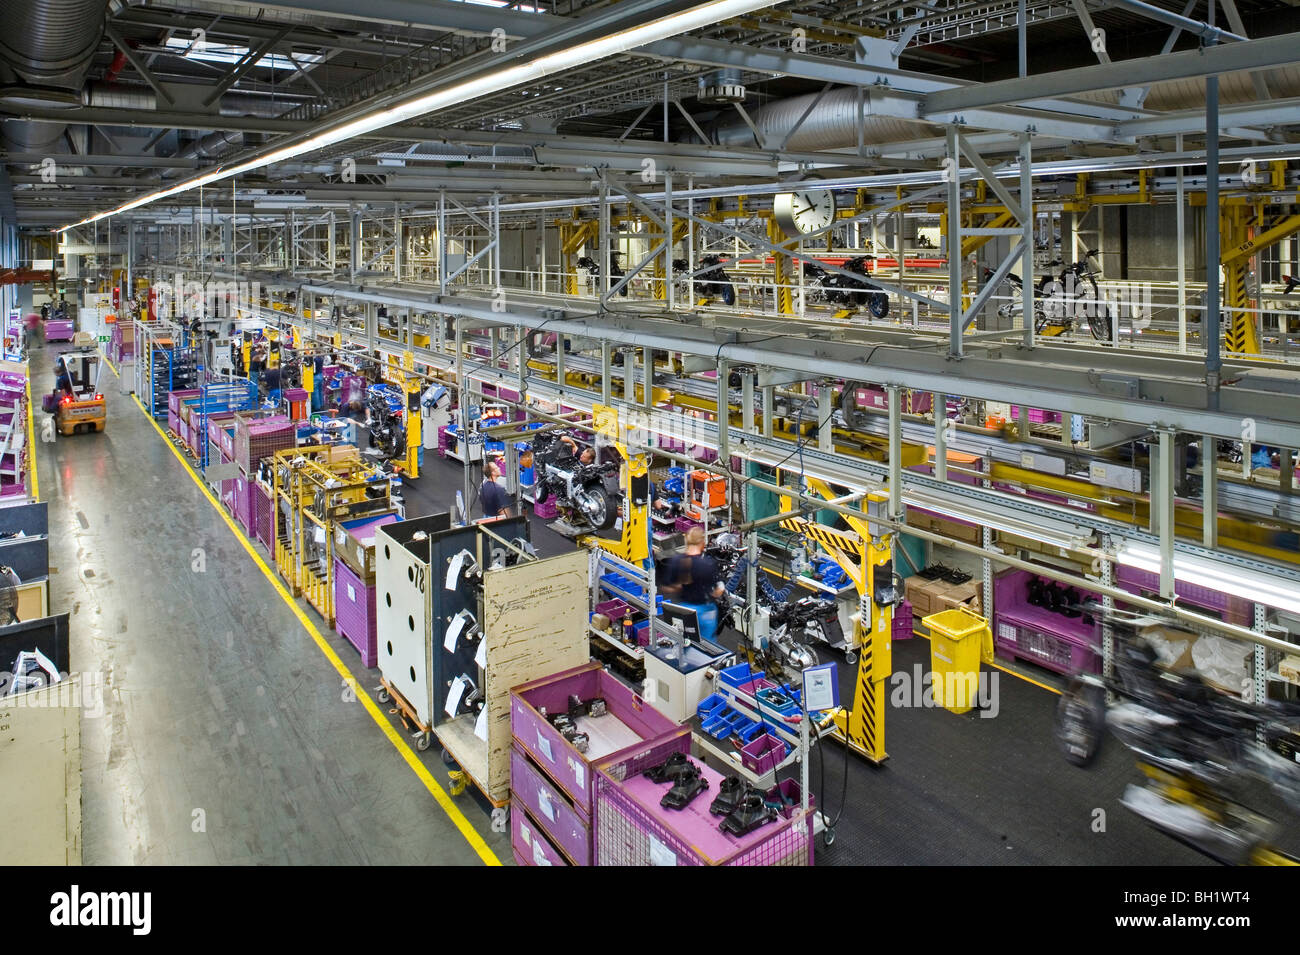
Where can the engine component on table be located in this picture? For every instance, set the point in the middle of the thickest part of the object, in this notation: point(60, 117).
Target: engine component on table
point(576, 707)
point(616, 270)
point(1070, 603)
point(793, 655)
point(581, 741)
point(686, 786)
point(597, 707)
point(675, 765)
point(730, 792)
point(1035, 592)
point(751, 813)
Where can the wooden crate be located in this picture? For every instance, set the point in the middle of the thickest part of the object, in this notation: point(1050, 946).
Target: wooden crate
point(534, 619)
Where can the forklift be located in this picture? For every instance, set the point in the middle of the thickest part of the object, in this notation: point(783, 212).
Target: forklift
point(77, 403)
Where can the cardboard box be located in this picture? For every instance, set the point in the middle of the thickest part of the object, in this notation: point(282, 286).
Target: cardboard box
point(969, 595)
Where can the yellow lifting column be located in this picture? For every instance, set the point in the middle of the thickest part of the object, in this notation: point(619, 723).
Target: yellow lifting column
point(633, 545)
point(860, 555)
point(783, 268)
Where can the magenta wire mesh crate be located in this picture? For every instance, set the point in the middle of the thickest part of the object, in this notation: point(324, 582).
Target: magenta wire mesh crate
point(262, 513)
point(260, 437)
point(244, 503)
point(354, 612)
point(632, 828)
point(629, 722)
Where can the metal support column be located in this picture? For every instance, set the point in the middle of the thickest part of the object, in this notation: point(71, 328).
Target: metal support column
point(768, 410)
point(606, 372)
point(462, 416)
point(1162, 510)
point(1181, 229)
point(354, 243)
point(1209, 492)
point(1259, 664)
point(1027, 224)
point(398, 242)
point(1108, 604)
point(442, 242)
point(747, 402)
point(940, 411)
point(954, 246)
point(724, 414)
point(1210, 322)
point(895, 453)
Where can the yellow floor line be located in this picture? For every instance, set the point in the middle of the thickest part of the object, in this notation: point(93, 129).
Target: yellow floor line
point(450, 808)
point(31, 437)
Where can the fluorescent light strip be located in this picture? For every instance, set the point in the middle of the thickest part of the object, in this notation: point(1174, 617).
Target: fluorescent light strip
point(687, 20)
point(1221, 578)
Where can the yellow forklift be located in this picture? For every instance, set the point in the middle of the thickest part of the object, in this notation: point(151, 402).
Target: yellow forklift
point(76, 402)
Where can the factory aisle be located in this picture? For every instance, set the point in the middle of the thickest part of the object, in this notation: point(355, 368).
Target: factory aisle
point(226, 736)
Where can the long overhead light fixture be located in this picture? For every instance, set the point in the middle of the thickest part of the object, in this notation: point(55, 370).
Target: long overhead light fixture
point(1271, 591)
point(704, 15)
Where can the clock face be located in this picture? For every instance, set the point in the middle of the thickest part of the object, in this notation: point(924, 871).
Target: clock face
point(804, 211)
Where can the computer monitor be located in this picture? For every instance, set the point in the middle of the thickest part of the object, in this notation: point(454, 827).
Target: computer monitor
point(683, 617)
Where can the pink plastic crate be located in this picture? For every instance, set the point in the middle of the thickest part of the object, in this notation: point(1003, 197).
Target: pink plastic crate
point(552, 810)
point(530, 845)
point(174, 399)
point(546, 510)
point(571, 771)
point(762, 755)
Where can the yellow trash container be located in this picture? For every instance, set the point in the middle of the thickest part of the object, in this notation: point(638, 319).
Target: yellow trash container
point(956, 639)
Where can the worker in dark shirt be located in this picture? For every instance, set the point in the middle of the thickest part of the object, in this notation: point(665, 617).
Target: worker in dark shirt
point(692, 580)
point(495, 500)
point(271, 379)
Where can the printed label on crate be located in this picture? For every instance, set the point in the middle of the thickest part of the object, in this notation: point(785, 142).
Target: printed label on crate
point(525, 834)
point(539, 856)
point(352, 594)
point(480, 725)
point(544, 804)
point(544, 746)
point(660, 854)
point(579, 773)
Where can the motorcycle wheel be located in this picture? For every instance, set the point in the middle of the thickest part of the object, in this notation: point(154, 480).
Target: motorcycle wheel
point(728, 294)
point(1081, 722)
point(603, 513)
point(878, 305)
point(1098, 312)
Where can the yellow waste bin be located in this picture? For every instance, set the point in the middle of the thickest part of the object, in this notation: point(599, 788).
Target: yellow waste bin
point(956, 638)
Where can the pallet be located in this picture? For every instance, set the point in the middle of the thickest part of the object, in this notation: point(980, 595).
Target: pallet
point(405, 712)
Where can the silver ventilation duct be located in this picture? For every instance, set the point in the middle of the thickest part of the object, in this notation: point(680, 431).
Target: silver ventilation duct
point(45, 50)
point(833, 123)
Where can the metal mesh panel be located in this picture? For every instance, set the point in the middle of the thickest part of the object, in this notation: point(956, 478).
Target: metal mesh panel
point(627, 835)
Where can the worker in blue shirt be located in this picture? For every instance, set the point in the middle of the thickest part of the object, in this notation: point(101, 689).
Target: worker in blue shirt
point(692, 579)
point(496, 502)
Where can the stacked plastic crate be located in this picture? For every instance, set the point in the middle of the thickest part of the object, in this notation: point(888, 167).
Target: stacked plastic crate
point(256, 437)
point(14, 450)
point(552, 781)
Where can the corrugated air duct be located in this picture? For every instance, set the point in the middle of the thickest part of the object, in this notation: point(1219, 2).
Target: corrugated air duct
point(45, 50)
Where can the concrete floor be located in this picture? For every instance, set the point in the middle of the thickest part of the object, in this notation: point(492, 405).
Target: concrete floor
point(227, 736)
